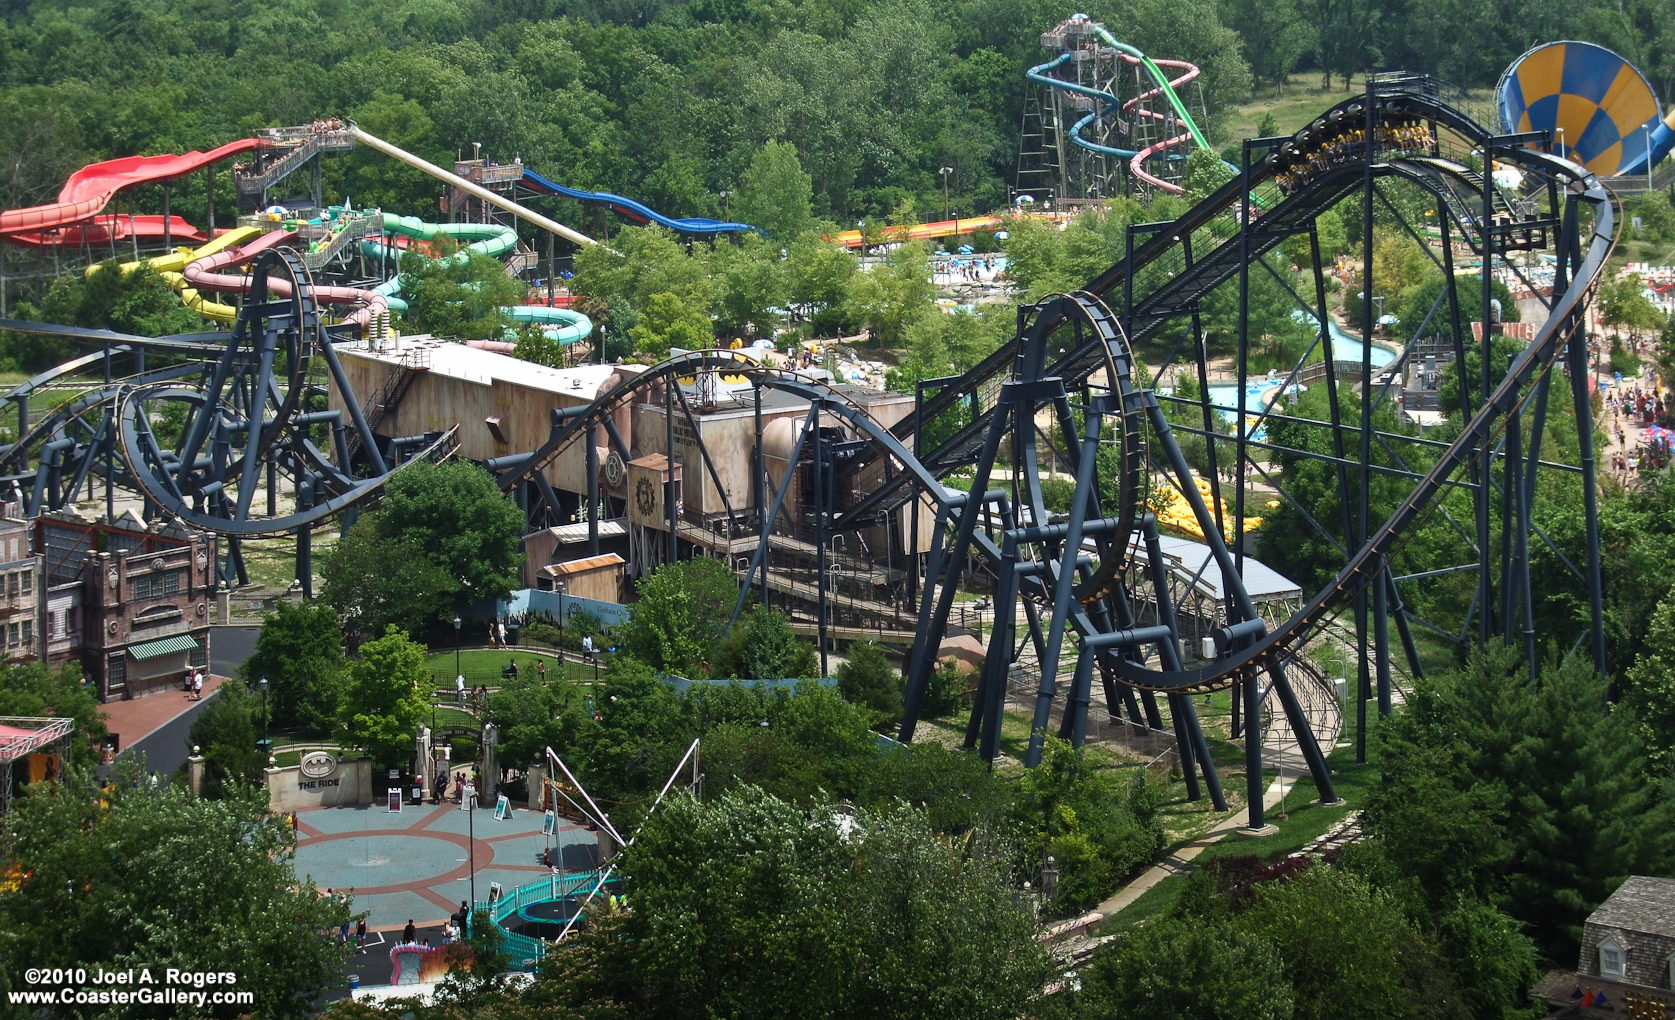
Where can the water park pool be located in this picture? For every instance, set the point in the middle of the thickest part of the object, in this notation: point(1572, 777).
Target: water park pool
point(1344, 346)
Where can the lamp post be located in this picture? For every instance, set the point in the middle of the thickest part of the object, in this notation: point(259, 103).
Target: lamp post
point(1378, 299)
point(471, 842)
point(267, 723)
point(456, 643)
point(945, 171)
point(1561, 145)
point(1648, 133)
point(724, 196)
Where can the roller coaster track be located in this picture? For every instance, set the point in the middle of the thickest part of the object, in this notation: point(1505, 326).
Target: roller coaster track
point(1179, 281)
point(1066, 341)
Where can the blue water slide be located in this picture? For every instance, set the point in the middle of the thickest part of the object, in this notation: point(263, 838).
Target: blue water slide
point(629, 209)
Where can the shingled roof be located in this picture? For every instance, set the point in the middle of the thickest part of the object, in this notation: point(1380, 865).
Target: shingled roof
point(1640, 904)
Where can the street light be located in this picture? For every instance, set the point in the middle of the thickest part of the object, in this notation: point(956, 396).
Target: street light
point(471, 842)
point(1648, 133)
point(267, 723)
point(456, 644)
point(724, 196)
point(945, 171)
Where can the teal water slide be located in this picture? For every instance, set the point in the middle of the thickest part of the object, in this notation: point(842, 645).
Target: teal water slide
point(1106, 104)
point(491, 239)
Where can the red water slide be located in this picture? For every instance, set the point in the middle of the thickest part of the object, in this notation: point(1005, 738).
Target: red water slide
point(91, 188)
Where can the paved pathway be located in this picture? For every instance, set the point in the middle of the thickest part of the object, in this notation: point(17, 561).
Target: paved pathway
point(416, 863)
point(137, 719)
point(1180, 862)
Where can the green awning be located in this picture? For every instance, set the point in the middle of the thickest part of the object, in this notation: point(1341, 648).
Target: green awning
point(163, 646)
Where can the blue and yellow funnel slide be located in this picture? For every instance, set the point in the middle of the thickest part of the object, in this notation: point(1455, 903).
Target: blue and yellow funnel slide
point(1600, 109)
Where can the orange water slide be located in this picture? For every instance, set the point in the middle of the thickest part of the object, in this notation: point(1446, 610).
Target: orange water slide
point(923, 231)
point(91, 188)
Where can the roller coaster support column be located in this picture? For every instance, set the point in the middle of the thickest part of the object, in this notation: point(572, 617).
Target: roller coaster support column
point(669, 385)
point(1232, 636)
point(1063, 584)
point(758, 492)
point(969, 512)
point(305, 532)
point(1241, 432)
point(1363, 672)
point(1486, 461)
point(758, 559)
point(1180, 705)
point(821, 508)
point(592, 453)
point(1577, 351)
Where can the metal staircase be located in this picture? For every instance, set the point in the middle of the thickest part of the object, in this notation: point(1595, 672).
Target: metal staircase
point(396, 385)
point(303, 144)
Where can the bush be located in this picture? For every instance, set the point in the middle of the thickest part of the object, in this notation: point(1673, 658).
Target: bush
point(946, 691)
point(869, 681)
point(462, 749)
point(1057, 494)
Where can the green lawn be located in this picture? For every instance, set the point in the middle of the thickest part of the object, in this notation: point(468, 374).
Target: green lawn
point(481, 666)
point(1302, 824)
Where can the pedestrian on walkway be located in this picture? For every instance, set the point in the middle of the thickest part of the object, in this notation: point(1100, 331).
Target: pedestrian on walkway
point(492, 642)
point(197, 685)
point(410, 933)
point(503, 633)
point(459, 688)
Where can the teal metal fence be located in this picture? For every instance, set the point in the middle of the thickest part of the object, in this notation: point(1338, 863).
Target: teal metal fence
point(522, 947)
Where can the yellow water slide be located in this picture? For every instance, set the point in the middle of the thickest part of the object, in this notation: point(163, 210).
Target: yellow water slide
point(170, 267)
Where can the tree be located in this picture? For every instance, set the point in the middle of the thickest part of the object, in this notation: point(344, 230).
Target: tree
point(893, 294)
point(639, 736)
point(131, 875)
point(465, 523)
point(678, 617)
point(36, 689)
point(225, 734)
point(531, 716)
point(672, 320)
point(300, 653)
point(537, 348)
point(819, 276)
point(386, 698)
point(870, 681)
point(1341, 942)
point(763, 647)
point(1173, 969)
point(135, 301)
point(374, 583)
point(748, 906)
point(1343, 37)
point(1529, 796)
point(775, 192)
point(750, 285)
point(464, 293)
point(1623, 302)
point(1275, 37)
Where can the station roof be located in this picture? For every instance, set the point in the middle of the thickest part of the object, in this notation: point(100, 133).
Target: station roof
point(471, 364)
point(1188, 559)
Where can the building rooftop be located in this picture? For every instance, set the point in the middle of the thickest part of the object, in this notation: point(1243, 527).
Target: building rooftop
point(1640, 904)
point(471, 364)
point(1188, 558)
